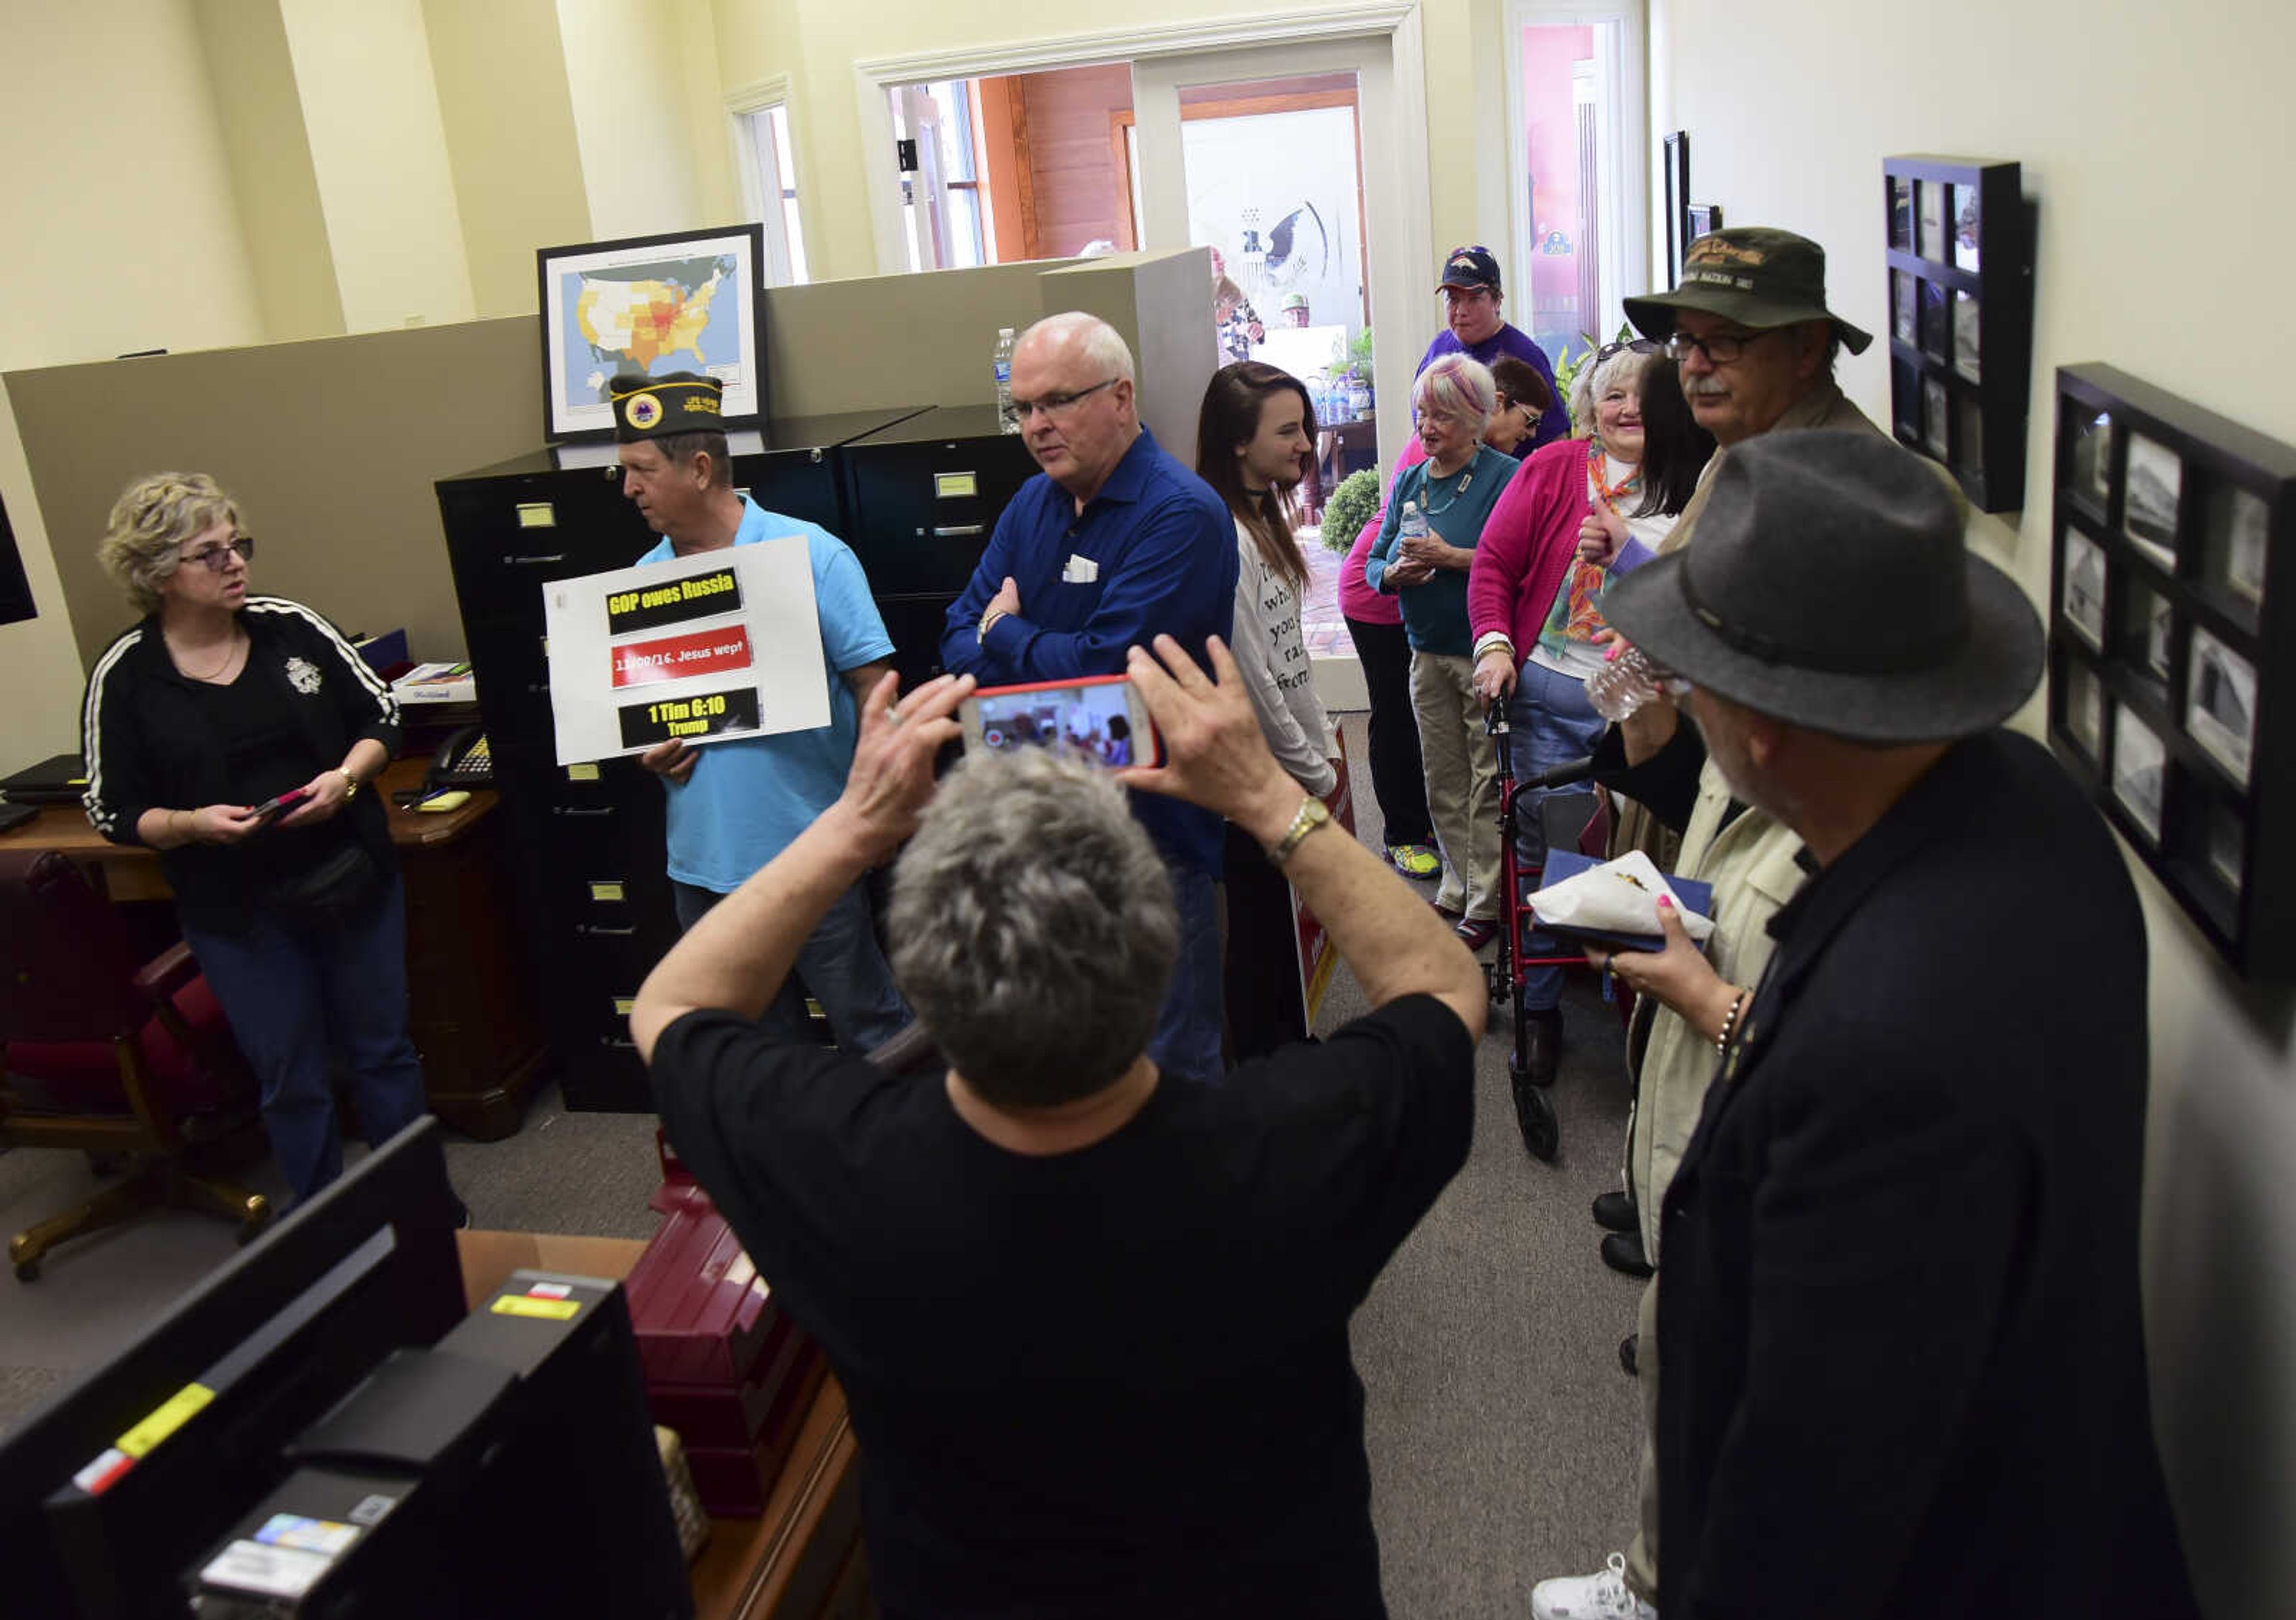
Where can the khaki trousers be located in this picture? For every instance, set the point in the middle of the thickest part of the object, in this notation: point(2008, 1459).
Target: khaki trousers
point(1641, 1552)
point(1463, 784)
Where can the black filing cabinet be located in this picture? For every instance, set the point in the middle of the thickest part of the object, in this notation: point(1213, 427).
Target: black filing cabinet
point(588, 838)
point(920, 498)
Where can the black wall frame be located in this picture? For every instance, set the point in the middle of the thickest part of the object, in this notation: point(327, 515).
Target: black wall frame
point(2172, 684)
point(1961, 318)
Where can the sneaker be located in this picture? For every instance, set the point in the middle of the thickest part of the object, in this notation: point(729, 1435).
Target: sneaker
point(1476, 932)
point(1600, 1596)
point(1414, 860)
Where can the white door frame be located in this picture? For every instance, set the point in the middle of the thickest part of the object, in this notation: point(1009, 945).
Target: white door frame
point(1396, 20)
point(1624, 133)
point(1395, 268)
point(761, 194)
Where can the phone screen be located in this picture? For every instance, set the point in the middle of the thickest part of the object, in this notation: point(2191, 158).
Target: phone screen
point(1093, 719)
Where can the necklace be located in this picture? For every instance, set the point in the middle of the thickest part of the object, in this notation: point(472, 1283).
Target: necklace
point(1457, 489)
point(231, 650)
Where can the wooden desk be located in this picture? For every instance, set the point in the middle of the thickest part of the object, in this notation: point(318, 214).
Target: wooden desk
point(471, 1012)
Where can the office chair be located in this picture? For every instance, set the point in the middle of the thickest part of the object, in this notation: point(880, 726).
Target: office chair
point(110, 1055)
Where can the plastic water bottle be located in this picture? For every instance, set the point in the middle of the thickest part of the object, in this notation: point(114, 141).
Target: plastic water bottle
point(1623, 684)
point(1001, 362)
point(1412, 525)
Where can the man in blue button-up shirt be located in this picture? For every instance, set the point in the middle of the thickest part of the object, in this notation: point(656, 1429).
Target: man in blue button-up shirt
point(1115, 543)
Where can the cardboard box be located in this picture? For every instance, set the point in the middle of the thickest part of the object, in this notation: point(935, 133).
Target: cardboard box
point(490, 1257)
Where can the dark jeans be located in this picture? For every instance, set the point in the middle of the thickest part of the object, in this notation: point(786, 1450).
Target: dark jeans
point(839, 964)
point(1186, 1039)
point(293, 999)
point(1398, 779)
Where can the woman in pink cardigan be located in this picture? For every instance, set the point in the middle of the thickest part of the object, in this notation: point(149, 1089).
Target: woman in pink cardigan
point(1581, 511)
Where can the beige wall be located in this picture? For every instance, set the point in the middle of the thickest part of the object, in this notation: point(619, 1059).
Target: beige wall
point(508, 120)
point(379, 151)
point(625, 72)
point(273, 182)
point(121, 234)
point(2156, 230)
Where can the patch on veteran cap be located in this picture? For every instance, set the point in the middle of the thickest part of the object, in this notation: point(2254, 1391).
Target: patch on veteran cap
point(682, 402)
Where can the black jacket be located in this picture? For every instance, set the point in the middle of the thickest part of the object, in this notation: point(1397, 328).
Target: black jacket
point(1902, 1362)
point(149, 742)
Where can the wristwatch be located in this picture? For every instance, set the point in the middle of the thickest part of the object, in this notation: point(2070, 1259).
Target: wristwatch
point(1311, 814)
point(988, 616)
point(350, 782)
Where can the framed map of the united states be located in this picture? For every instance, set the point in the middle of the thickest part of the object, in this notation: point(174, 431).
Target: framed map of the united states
point(657, 304)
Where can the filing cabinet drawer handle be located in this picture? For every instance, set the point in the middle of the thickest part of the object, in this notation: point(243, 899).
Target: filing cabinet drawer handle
point(552, 557)
point(592, 927)
point(581, 810)
point(958, 531)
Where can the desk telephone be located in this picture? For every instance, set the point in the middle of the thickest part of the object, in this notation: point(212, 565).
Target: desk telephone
point(463, 761)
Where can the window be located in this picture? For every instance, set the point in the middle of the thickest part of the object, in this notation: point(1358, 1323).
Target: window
point(769, 177)
point(944, 207)
point(1577, 93)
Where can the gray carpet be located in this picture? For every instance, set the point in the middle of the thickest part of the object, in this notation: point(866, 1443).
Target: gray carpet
point(1503, 1433)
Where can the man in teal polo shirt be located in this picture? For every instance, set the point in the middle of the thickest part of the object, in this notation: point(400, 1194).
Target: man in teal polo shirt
point(735, 806)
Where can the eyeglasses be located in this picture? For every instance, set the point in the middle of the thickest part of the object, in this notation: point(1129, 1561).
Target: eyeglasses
point(217, 557)
point(1720, 350)
point(1057, 405)
point(1626, 346)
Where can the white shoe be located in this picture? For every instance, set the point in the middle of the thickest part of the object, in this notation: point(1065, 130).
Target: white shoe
point(1601, 1596)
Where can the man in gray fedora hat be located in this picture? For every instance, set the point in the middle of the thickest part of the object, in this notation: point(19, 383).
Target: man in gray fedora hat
point(1902, 1366)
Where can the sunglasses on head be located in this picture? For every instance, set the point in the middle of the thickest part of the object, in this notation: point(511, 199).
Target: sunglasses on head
point(1626, 346)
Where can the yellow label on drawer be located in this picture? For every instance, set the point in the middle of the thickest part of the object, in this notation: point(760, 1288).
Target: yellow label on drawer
point(605, 891)
point(524, 1305)
point(536, 514)
point(955, 486)
point(166, 1418)
point(624, 1005)
point(581, 773)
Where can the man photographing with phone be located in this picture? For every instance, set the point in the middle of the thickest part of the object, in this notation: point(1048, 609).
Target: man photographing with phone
point(1092, 1319)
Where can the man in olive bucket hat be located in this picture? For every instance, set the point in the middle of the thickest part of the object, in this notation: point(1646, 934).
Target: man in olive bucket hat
point(1901, 1358)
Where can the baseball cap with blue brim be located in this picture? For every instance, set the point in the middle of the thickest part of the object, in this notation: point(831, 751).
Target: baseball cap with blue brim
point(1755, 275)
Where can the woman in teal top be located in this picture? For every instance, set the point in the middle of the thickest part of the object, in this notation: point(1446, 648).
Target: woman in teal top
point(1426, 544)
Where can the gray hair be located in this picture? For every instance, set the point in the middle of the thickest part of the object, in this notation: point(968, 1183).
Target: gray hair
point(678, 449)
point(1099, 342)
point(1593, 381)
point(1459, 387)
point(1034, 927)
point(143, 540)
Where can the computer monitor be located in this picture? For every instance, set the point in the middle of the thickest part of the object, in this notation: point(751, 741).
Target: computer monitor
point(106, 1491)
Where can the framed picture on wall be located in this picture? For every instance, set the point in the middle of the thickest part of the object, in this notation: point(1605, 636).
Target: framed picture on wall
point(2164, 644)
point(1960, 259)
point(1705, 217)
point(1678, 204)
point(688, 302)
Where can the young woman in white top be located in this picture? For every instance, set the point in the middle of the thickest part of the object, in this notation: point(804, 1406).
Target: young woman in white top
point(1253, 438)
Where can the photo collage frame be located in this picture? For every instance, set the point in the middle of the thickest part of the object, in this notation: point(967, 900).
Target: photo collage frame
point(2163, 617)
point(1961, 279)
